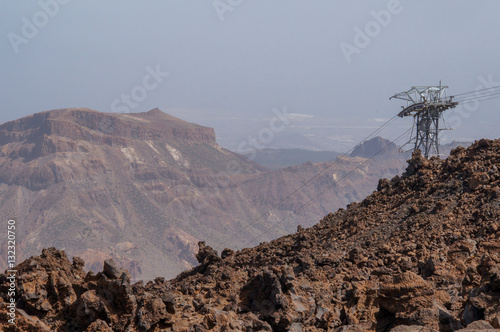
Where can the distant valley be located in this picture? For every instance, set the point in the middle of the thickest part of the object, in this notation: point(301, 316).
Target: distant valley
point(281, 158)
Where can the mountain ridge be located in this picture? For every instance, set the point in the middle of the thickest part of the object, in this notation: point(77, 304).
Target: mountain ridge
point(91, 125)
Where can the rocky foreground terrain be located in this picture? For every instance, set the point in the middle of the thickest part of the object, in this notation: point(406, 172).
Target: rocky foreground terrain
point(419, 254)
point(144, 188)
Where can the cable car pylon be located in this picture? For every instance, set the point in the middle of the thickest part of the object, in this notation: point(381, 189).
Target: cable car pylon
point(426, 105)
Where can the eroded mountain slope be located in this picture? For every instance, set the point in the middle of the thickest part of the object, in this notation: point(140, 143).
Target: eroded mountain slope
point(144, 188)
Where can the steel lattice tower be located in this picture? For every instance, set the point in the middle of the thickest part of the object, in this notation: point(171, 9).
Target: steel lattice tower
point(426, 104)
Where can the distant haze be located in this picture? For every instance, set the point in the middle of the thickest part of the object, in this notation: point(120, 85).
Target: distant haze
point(328, 67)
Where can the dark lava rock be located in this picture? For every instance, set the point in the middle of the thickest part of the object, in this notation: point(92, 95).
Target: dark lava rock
point(419, 254)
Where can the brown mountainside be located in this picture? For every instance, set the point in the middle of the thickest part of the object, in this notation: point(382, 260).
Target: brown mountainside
point(144, 188)
point(419, 254)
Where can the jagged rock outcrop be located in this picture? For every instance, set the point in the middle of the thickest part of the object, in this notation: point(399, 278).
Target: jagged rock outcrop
point(419, 254)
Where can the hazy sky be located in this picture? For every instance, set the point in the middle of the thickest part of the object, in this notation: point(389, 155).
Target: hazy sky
point(235, 64)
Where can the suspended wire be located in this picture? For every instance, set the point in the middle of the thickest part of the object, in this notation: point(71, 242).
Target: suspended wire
point(485, 96)
point(322, 192)
point(261, 216)
point(491, 98)
point(412, 138)
point(466, 93)
point(480, 97)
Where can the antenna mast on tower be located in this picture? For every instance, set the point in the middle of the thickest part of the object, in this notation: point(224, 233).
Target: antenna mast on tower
point(426, 104)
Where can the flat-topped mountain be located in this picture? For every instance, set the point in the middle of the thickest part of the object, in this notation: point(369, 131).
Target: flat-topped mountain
point(90, 125)
point(144, 188)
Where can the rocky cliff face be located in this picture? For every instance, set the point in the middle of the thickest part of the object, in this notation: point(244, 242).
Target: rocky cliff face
point(419, 254)
point(373, 148)
point(144, 188)
point(89, 125)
